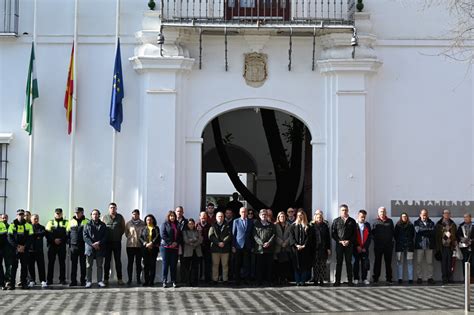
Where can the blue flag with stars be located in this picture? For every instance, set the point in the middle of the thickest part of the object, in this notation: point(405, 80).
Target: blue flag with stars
point(116, 111)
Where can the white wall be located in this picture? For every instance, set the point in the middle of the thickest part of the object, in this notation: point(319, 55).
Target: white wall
point(420, 136)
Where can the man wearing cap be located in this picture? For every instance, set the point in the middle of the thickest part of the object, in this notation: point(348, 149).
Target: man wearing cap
point(20, 235)
point(133, 230)
point(115, 229)
point(75, 238)
point(56, 235)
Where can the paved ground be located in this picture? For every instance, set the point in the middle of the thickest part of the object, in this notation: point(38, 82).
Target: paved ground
point(139, 300)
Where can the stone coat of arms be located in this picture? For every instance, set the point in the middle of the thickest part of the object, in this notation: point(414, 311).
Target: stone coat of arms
point(255, 69)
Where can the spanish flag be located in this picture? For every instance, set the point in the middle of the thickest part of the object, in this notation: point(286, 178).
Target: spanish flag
point(69, 92)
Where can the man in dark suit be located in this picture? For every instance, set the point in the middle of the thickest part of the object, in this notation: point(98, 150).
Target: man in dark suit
point(242, 244)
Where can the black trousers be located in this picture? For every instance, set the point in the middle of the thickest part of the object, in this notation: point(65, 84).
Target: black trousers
point(134, 254)
point(78, 254)
point(206, 266)
point(386, 253)
point(191, 268)
point(360, 265)
point(343, 253)
point(182, 274)
point(36, 259)
point(114, 248)
point(2, 272)
point(21, 258)
point(264, 267)
point(60, 251)
point(241, 264)
point(446, 260)
point(149, 262)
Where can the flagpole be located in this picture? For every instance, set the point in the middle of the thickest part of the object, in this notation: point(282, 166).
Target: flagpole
point(73, 118)
point(31, 140)
point(114, 132)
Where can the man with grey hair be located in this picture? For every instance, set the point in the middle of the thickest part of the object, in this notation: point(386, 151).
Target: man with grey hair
point(424, 245)
point(383, 236)
point(445, 236)
point(264, 236)
point(465, 237)
point(220, 236)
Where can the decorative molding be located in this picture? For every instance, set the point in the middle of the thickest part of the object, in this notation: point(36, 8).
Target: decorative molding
point(161, 91)
point(255, 69)
point(194, 140)
point(319, 141)
point(6, 137)
point(148, 63)
point(349, 65)
point(351, 92)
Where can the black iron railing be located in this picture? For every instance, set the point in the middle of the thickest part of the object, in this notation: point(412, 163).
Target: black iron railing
point(9, 14)
point(3, 176)
point(262, 12)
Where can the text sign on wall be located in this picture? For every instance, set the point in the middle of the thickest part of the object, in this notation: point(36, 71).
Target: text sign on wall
point(435, 207)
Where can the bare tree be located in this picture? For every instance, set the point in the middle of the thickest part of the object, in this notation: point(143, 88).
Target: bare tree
point(462, 33)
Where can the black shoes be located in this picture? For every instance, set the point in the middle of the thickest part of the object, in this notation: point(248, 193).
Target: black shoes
point(420, 281)
point(431, 281)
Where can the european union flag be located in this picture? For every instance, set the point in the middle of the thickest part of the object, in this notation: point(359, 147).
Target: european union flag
point(116, 111)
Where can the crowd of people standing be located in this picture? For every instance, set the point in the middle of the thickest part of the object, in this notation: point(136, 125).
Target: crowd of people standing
point(237, 246)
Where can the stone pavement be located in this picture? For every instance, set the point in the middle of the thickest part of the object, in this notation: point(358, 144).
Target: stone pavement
point(139, 300)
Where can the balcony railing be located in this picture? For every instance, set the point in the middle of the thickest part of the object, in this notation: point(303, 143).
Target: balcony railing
point(9, 17)
point(310, 13)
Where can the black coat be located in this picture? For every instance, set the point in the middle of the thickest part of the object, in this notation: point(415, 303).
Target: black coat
point(155, 237)
point(383, 233)
point(218, 234)
point(404, 237)
point(344, 230)
point(302, 259)
point(39, 233)
point(321, 240)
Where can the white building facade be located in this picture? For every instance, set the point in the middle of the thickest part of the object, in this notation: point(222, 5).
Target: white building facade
point(390, 119)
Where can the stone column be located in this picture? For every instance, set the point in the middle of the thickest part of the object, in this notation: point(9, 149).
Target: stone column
point(346, 81)
point(161, 72)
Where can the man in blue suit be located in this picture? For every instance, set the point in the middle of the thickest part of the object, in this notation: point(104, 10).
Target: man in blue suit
point(242, 244)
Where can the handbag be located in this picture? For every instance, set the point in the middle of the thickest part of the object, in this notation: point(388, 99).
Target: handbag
point(458, 252)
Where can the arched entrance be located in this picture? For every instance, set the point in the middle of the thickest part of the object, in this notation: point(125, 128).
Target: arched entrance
point(264, 154)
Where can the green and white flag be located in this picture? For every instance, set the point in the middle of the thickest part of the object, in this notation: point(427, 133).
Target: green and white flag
point(31, 94)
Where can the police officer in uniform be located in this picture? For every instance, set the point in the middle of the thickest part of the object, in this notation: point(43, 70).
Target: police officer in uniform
point(20, 234)
point(3, 244)
point(57, 238)
point(6, 253)
point(75, 230)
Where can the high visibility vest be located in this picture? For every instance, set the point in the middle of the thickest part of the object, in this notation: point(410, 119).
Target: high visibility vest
point(3, 228)
point(21, 229)
point(53, 225)
point(73, 224)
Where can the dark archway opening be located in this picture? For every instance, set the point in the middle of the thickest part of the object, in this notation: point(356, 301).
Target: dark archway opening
point(265, 155)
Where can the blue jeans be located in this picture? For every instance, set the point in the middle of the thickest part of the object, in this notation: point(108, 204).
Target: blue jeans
point(301, 276)
point(170, 260)
point(408, 256)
